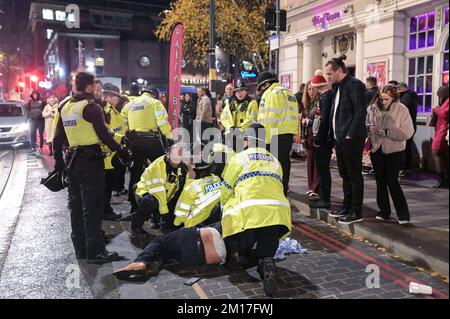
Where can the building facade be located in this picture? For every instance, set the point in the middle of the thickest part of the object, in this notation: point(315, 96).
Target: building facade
point(116, 44)
point(403, 40)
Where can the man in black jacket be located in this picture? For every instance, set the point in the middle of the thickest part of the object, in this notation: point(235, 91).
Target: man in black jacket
point(348, 130)
point(409, 99)
point(35, 106)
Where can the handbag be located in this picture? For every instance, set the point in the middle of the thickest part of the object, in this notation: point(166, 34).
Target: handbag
point(431, 120)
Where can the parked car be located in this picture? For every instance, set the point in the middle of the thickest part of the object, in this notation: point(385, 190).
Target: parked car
point(14, 125)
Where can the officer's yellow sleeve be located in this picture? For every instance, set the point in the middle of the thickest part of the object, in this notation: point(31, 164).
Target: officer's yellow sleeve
point(153, 182)
point(226, 117)
point(162, 119)
point(184, 204)
point(230, 176)
point(252, 114)
point(124, 114)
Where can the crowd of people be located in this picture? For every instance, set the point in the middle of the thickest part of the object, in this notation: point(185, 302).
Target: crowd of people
point(350, 116)
point(205, 188)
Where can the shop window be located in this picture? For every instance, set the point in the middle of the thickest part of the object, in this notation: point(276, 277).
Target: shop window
point(60, 16)
point(420, 79)
point(47, 14)
point(445, 63)
point(421, 31)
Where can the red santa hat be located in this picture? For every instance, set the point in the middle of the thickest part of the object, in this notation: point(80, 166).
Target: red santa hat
point(318, 79)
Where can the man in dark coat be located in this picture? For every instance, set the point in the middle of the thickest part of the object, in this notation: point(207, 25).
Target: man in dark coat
point(409, 99)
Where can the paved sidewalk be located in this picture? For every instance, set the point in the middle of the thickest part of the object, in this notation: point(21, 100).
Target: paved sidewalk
point(425, 242)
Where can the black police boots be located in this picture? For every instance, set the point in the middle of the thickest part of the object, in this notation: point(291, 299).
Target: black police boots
point(268, 273)
point(103, 257)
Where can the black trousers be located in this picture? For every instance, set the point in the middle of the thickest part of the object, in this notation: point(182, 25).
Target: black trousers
point(148, 208)
point(110, 183)
point(35, 126)
point(323, 159)
point(144, 148)
point(284, 156)
point(183, 245)
point(349, 159)
point(266, 240)
point(120, 178)
point(86, 203)
point(386, 169)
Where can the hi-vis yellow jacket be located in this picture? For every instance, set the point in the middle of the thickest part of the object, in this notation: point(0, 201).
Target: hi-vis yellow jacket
point(239, 114)
point(144, 114)
point(79, 131)
point(252, 193)
point(117, 126)
point(197, 200)
point(278, 112)
point(155, 181)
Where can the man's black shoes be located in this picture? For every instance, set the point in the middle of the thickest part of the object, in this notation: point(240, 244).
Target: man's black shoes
point(340, 213)
point(103, 257)
point(351, 218)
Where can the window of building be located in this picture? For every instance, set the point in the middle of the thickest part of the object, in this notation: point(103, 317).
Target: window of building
point(60, 16)
point(420, 79)
point(98, 45)
point(49, 33)
point(445, 63)
point(421, 31)
point(99, 64)
point(47, 14)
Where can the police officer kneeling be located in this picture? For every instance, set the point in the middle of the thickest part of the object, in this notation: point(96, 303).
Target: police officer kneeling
point(255, 209)
point(158, 191)
point(81, 126)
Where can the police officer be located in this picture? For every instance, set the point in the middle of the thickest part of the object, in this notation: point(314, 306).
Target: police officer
point(239, 113)
point(255, 208)
point(199, 201)
point(148, 124)
point(115, 123)
point(81, 126)
point(278, 113)
point(158, 191)
point(133, 92)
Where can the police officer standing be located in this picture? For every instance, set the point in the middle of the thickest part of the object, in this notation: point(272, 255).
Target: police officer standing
point(278, 113)
point(81, 126)
point(238, 114)
point(148, 124)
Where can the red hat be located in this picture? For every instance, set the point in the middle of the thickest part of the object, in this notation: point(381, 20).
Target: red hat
point(318, 79)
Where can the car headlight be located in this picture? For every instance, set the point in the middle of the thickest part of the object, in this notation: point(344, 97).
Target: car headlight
point(21, 128)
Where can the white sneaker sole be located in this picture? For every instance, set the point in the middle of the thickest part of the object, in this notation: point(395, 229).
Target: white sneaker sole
point(404, 222)
point(335, 215)
point(352, 222)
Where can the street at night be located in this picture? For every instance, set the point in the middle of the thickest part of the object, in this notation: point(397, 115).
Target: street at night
point(256, 150)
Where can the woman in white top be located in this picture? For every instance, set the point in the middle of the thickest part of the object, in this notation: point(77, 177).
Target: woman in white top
point(49, 114)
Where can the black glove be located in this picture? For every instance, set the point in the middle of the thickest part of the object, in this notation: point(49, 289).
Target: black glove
point(170, 142)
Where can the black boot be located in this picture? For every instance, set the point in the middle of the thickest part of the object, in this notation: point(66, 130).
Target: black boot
point(442, 182)
point(268, 273)
point(103, 257)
